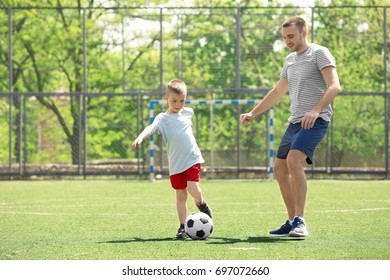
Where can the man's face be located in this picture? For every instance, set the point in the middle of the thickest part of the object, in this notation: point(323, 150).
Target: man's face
point(293, 39)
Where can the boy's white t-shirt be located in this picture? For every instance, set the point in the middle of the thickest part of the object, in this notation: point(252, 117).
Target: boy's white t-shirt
point(176, 130)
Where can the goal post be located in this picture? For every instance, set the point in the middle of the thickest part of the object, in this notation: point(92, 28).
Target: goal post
point(271, 153)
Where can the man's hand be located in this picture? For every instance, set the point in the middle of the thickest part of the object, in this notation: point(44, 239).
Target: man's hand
point(309, 119)
point(246, 118)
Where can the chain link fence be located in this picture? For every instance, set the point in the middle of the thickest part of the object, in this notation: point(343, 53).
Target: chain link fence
point(76, 86)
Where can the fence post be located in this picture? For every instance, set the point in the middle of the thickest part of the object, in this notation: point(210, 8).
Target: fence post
point(271, 143)
point(161, 78)
point(238, 83)
point(10, 82)
point(151, 141)
point(386, 94)
point(212, 140)
point(85, 90)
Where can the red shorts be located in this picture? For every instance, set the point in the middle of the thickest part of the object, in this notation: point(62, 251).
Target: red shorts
point(179, 181)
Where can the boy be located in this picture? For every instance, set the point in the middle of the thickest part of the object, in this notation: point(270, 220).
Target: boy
point(184, 156)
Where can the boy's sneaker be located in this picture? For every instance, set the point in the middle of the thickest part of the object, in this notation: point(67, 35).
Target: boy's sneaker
point(181, 234)
point(283, 231)
point(205, 209)
point(298, 228)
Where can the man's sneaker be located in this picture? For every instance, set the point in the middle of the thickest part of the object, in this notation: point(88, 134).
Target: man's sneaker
point(181, 234)
point(298, 228)
point(283, 231)
point(205, 209)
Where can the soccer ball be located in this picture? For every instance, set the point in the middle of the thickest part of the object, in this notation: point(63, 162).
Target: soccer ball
point(198, 226)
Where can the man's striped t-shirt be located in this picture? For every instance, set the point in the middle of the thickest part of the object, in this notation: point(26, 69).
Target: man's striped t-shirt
point(306, 86)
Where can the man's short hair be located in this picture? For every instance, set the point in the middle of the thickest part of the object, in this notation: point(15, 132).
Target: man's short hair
point(299, 22)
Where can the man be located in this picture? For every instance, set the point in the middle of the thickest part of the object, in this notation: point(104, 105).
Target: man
point(309, 75)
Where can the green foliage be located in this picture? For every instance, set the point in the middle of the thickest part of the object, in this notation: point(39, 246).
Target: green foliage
point(4, 128)
point(358, 118)
point(198, 45)
point(354, 36)
point(357, 45)
point(107, 133)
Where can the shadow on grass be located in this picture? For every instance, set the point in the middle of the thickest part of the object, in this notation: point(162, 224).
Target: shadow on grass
point(254, 239)
point(211, 240)
point(141, 240)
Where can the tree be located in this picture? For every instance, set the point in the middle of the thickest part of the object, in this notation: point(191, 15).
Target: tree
point(48, 56)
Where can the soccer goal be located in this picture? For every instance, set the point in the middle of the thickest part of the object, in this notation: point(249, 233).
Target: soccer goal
point(212, 103)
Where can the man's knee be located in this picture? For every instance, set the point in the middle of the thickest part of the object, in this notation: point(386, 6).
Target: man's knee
point(280, 168)
point(295, 159)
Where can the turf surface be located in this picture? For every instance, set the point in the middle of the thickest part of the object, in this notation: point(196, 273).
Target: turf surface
point(136, 220)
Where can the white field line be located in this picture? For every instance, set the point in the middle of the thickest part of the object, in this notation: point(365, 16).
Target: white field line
point(72, 214)
point(153, 213)
point(71, 206)
point(354, 210)
point(245, 249)
point(78, 200)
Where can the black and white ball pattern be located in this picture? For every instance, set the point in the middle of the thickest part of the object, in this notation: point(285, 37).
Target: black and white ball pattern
point(198, 226)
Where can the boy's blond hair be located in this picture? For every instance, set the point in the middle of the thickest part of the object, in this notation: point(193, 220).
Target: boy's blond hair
point(177, 86)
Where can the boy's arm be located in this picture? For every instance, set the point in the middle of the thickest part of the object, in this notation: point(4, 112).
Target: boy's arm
point(272, 97)
point(149, 130)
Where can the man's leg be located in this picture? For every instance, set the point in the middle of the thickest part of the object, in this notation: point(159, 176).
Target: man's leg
point(284, 180)
point(295, 164)
point(291, 178)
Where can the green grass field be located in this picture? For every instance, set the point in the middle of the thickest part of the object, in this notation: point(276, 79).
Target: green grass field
point(136, 220)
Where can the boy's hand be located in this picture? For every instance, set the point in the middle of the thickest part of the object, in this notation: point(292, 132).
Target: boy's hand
point(136, 143)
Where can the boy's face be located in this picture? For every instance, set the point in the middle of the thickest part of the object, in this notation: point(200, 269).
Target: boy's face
point(176, 101)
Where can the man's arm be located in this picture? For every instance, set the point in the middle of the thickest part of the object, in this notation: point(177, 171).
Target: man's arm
point(332, 81)
point(272, 97)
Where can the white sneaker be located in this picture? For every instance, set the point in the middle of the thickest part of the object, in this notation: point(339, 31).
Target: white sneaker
point(298, 228)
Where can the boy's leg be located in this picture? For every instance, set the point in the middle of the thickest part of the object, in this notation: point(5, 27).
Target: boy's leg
point(193, 178)
point(195, 191)
point(181, 206)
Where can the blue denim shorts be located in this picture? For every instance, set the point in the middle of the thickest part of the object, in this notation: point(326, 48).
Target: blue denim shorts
point(304, 140)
